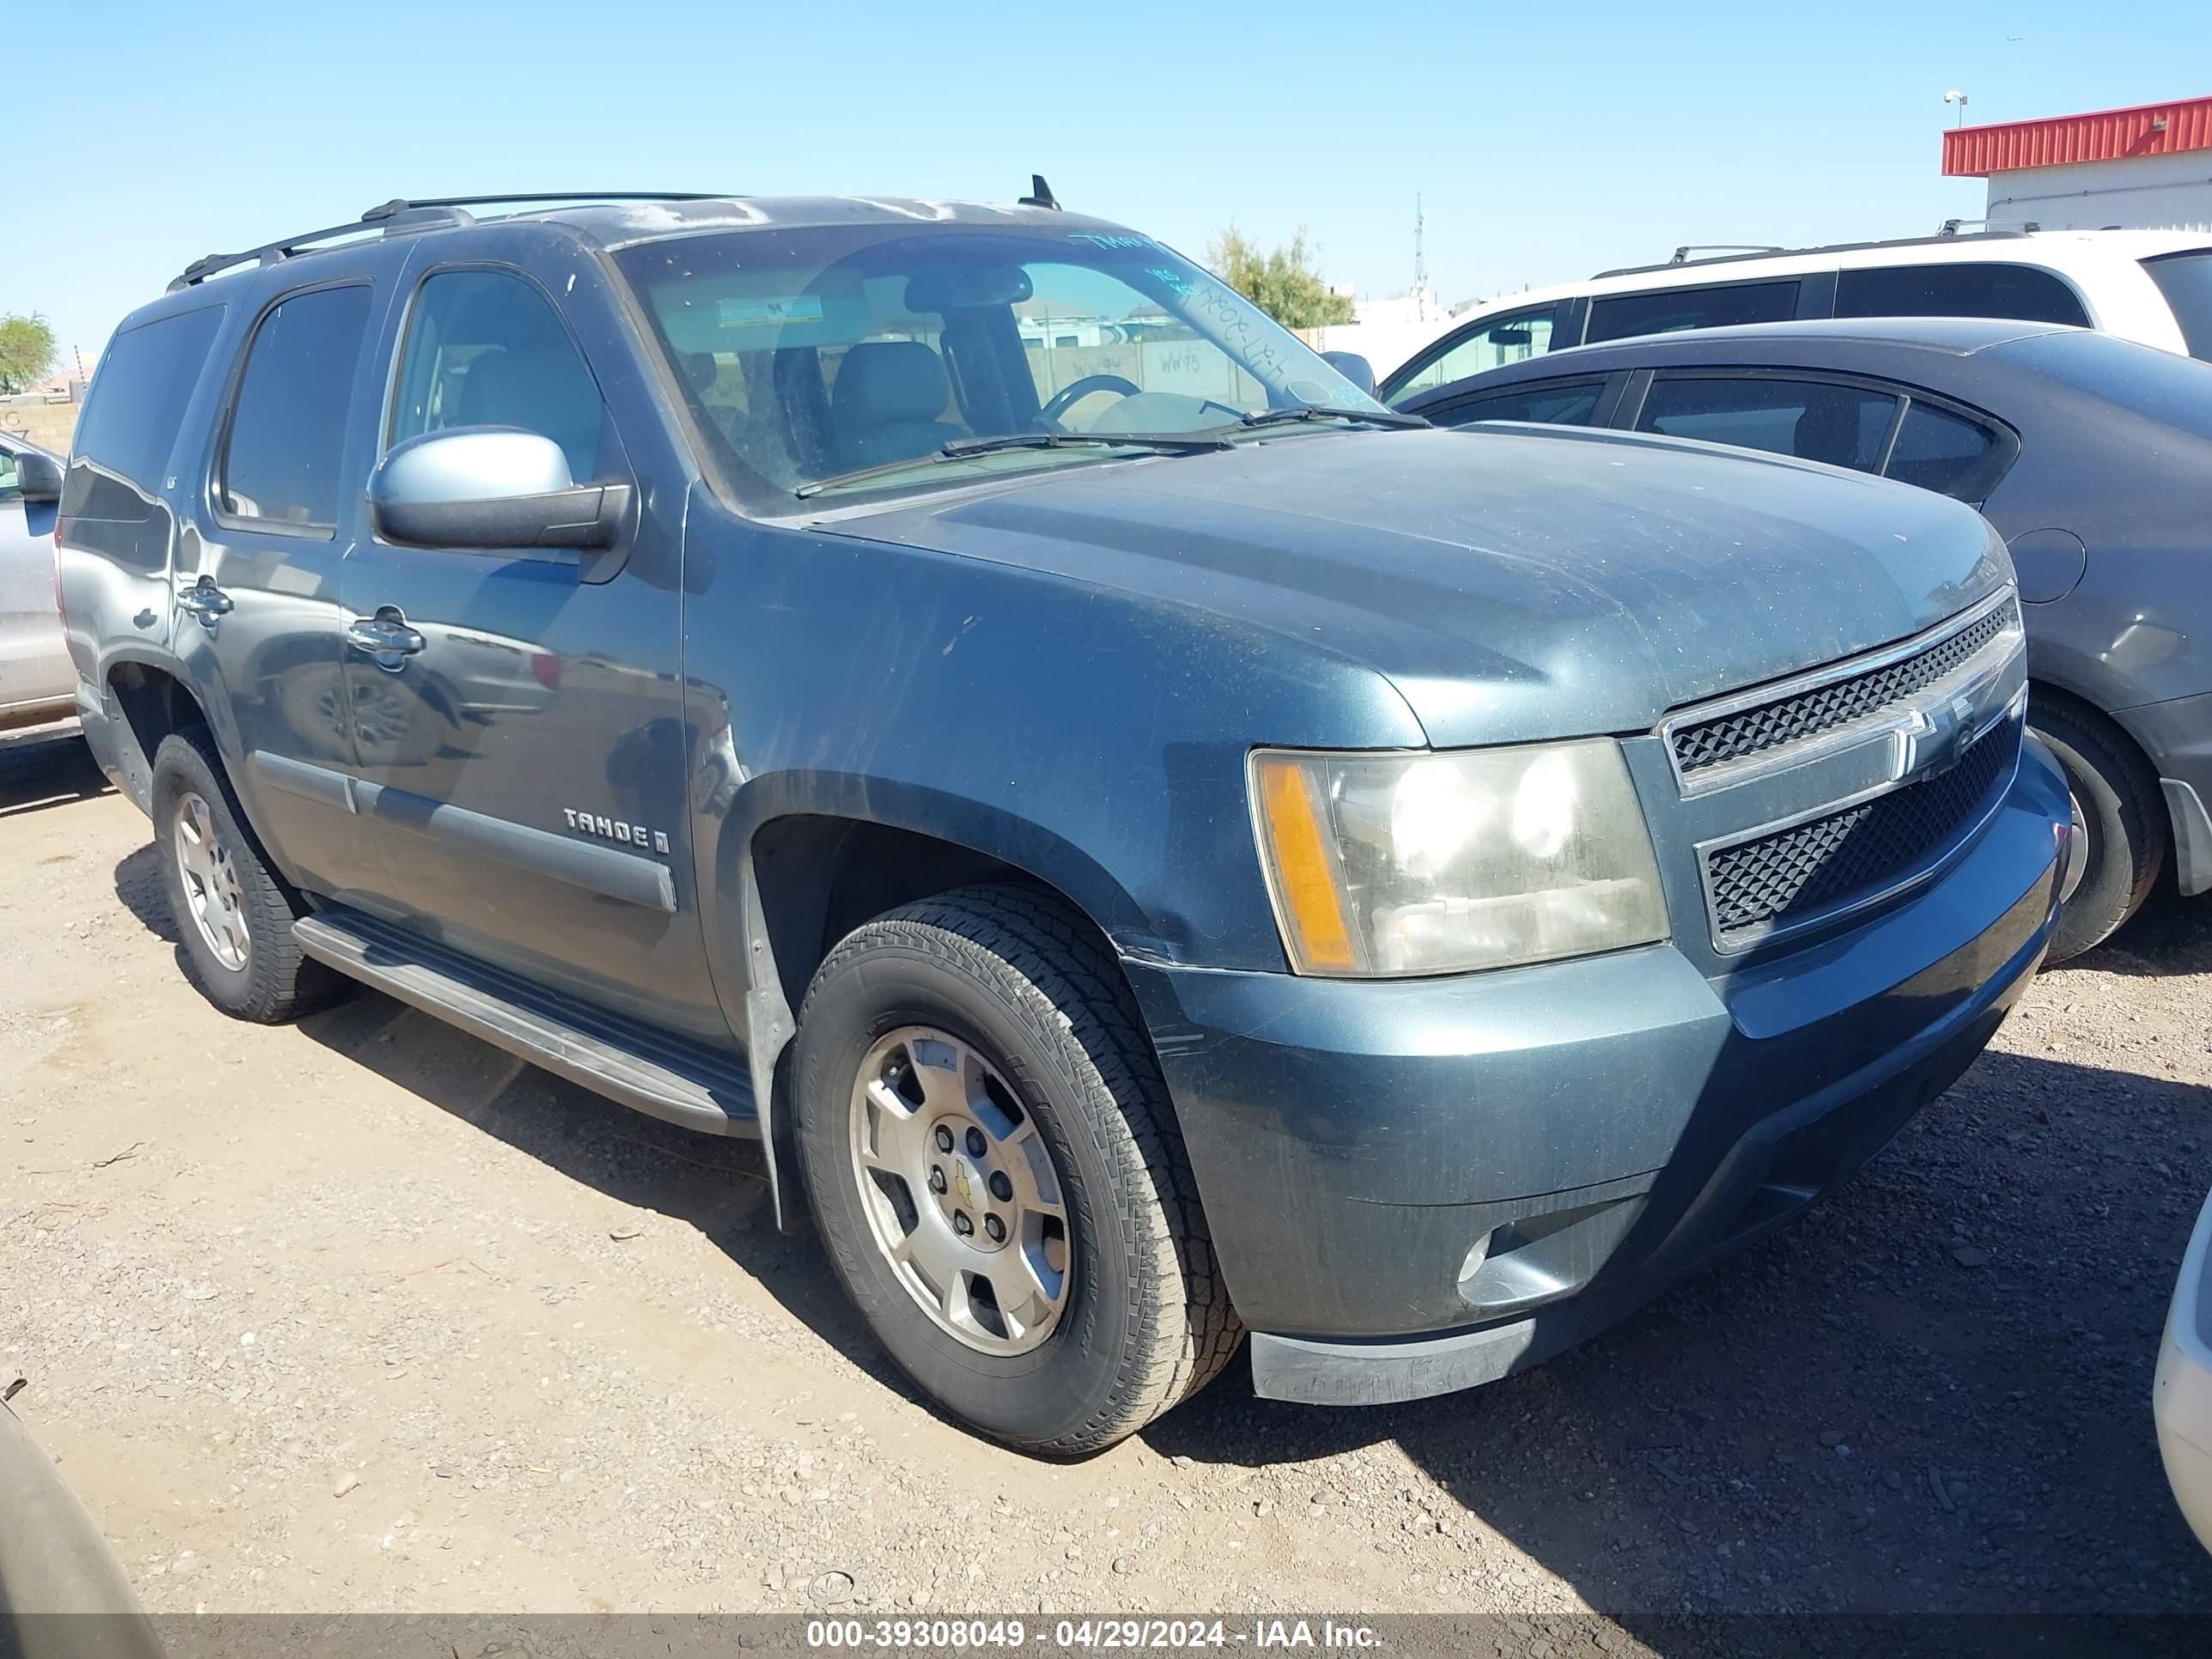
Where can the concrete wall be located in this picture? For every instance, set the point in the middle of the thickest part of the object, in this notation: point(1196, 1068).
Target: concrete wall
point(2147, 192)
point(47, 425)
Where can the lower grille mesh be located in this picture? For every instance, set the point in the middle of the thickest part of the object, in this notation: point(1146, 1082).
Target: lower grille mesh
point(1816, 866)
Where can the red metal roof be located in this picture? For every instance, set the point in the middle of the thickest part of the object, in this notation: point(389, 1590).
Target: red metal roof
point(2106, 135)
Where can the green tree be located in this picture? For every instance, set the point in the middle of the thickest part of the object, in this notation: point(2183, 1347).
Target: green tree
point(1283, 284)
point(26, 351)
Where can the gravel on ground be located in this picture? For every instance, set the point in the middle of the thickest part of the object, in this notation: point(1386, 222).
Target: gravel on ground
point(363, 1315)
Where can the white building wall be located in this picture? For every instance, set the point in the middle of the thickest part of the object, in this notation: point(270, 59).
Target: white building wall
point(2147, 192)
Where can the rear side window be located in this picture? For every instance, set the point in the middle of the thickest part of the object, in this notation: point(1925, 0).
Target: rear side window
point(1958, 290)
point(1549, 402)
point(136, 404)
point(1947, 454)
point(485, 349)
point(1668, 310)
point(1503, 340)
point(1813, 419)
point(2185, 280)
point(280, 454)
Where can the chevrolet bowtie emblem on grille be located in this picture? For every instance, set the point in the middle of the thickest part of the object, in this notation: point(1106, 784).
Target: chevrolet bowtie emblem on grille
point(1938, 738)
point(607, 828)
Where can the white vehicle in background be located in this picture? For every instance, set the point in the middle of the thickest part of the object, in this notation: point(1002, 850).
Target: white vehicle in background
point(2154, 287)
point(2181, 1398)
point(38, 682)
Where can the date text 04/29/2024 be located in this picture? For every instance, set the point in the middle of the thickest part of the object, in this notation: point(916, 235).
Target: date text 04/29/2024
point(1084, 1635)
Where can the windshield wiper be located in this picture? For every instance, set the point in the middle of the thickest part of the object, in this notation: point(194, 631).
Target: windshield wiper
point(960, 449)
point(1323, 412)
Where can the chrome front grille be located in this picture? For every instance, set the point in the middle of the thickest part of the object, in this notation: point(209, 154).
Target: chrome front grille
point(1817, 796)
point(1809, 713)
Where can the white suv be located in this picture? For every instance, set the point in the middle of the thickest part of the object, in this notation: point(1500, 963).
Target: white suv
point(2150, 286)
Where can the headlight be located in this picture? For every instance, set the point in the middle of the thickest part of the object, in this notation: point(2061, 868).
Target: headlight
point(1388, 864)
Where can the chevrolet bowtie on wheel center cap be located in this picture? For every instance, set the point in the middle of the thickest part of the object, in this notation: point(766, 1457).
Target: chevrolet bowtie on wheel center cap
point(960, 1191)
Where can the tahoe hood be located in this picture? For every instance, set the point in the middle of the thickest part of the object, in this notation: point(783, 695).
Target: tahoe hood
point(1513, 583)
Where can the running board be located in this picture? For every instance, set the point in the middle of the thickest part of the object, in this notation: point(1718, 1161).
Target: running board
point(654, 1073)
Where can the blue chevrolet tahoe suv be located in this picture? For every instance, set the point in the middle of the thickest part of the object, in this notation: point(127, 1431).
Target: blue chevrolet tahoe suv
point(1156, 844)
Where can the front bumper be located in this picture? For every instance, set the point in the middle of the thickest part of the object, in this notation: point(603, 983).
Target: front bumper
point(2181, 1395)
point(1417, 1185)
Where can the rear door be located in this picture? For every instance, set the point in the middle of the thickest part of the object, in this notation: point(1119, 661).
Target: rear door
point(1844, 423)
point(268, 518)
point(36, 679)
point(527, 746)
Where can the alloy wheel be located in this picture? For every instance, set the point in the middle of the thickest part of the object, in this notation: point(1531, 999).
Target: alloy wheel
point(960, 1191)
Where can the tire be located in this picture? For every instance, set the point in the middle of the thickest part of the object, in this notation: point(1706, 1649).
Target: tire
point(267, 980)
point(2123, 816)
point(1020, 985)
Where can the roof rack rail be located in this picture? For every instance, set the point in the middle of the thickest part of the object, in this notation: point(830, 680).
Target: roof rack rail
point(1826, 248)
point(399, 204)
point(401, 213)
point(1990, 226)
point(1682, 254)
point(270, 254)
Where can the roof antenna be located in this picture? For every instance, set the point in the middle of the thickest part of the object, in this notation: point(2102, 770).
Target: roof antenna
point(1040, 194)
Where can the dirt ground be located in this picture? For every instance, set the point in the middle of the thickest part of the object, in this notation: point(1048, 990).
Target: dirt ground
point(363, 1315)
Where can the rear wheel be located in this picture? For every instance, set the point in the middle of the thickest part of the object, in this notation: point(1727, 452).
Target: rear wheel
point(2120, 833)
point(234, 914)
point(994, 1165)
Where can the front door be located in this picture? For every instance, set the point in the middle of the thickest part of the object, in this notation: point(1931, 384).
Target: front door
point(520, 712)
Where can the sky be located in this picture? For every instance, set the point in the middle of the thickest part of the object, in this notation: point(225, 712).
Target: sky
point(1545, 143)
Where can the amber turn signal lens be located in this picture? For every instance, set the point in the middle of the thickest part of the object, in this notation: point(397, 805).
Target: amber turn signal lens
point(1305, 879)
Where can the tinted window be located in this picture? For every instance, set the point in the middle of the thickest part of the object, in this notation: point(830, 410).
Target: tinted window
point(2185, 280)
point(280, 461)
point(1943, 452)
point(1503, 340)
point(1842, 425)
point(1667, 310)
point(1550, 402)
point(1958, 290)
point(484, 348)
point(130, 418)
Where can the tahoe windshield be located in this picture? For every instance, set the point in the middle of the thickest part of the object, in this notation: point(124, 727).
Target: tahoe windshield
point(822, 359)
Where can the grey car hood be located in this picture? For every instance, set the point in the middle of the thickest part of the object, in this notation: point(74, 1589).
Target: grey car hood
point(1513, 583)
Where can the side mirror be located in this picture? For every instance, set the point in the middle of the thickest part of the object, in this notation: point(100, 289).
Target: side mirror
point(1354, 368)
point(39, 476)
point(491, 487)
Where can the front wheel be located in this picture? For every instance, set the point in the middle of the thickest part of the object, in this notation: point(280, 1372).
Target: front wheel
point(994, 1165)
point(2119, 844)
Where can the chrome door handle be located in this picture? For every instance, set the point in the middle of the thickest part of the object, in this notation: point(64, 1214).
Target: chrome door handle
point(384, 636)
point(205, 601)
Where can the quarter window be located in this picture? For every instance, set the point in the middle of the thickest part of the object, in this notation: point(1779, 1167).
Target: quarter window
point(1507, 340)
point(1813, 419)
point(485, 349)
point(1669, 310)
point(281, 453)
point(138, 403)
point(2020, 292)
point(1945, 452)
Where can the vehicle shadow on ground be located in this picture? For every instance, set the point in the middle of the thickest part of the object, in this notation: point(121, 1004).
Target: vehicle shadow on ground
point(35, 776)
point(2170, 934)
point(1951, 1356)
point(718, 1186)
